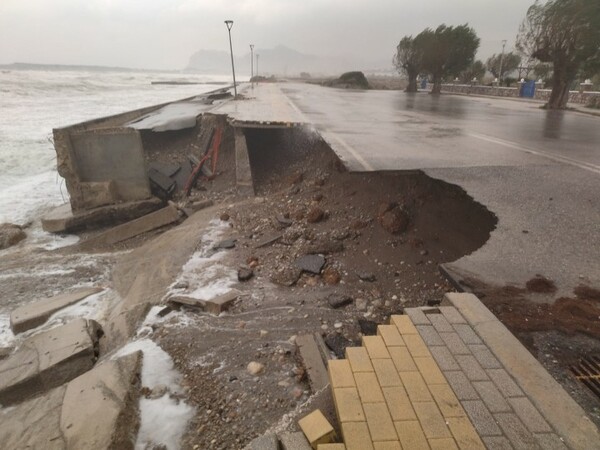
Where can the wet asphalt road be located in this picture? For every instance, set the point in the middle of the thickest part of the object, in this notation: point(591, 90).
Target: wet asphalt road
point(537, 170)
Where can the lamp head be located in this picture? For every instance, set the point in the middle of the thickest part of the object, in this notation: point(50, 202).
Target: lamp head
point(229, 24)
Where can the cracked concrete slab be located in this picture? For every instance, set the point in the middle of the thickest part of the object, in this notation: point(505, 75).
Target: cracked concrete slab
point(49, 359)
point(97, 410)
point(36, 313)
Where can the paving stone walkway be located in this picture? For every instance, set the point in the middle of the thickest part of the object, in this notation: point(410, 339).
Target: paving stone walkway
point(429, 380)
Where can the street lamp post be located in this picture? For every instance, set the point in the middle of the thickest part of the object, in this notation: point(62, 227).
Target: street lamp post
point(251, 60)
point(502, 60)
point(257, 55)
point(229, 24)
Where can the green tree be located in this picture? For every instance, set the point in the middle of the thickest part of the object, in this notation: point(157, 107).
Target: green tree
point(565, 33)
point(542, 71)
point(509, 62)
point(475, 71)
point(408, 60)
point(447, 51)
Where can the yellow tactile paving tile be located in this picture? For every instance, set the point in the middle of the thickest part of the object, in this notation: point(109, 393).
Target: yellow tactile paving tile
point(441, 444)
point(464, 433)
point(386, 373)
point(432, 422)
point(402, 359)
point(348, 405)
point(404, 325)
point(375, 347)
point(446, 400)
point(359, 359)
point(390, 335)
point(411, 435)
point(380, 422)
point(399, 404)
point(391, 445)
point(340, 374)
point(430, 370)
point(356, 436)
point(416, 345)
point(368, 387)
point(415, 387)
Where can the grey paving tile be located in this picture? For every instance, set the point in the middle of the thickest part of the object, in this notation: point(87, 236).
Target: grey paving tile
point(451, 314)
point(518, 435)
point(505, 383)
point(429, 335)
point(529, 415)
point(482, 419)
point(461, 386)
point(471, 368)
point(455, 343)
point(550, 441)
point(417, 316)
point(444, 358)
point(485, 357)
point(497, 443)
point(491, 396)
point(440, 323)
point(467, 334)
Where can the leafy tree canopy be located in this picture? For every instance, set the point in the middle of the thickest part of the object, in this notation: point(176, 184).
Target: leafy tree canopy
point(509, 62)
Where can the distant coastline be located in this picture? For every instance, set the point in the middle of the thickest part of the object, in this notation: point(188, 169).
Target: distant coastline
point(78, 67)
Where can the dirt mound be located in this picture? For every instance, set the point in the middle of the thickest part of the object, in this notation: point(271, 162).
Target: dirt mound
point(541, 284)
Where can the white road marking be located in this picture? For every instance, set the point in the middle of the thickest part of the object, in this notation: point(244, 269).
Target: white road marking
point(563, 159)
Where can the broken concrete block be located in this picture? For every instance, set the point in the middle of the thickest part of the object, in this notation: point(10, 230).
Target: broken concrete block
point(311, 263)
point(157, 219)
point(99, 193)
point(266, 442)
point(48, 360)
point(64, 220)
point(243, 172)
point(317, 429)
point(313, 361)
point(34, 314)
point(268, 240)
point(221, 302)
point(10, 235)
point(97, 410)
point(294, 441)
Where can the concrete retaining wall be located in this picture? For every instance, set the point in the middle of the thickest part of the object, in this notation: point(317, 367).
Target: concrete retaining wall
point(540, 94)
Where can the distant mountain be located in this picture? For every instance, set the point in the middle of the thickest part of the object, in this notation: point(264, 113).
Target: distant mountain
point(74, 67)
point(281, 61)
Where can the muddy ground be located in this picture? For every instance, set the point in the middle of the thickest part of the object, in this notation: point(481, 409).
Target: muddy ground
point(381, 237)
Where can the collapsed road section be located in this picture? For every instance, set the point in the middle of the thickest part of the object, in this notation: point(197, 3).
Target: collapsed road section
point(240, 251)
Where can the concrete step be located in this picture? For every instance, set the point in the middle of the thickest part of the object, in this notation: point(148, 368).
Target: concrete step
point(48, 360)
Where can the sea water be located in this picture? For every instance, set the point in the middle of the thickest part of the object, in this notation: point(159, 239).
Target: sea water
point(33, 102)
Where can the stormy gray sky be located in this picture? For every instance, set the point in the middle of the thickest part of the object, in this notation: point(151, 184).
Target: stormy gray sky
point(162, 34)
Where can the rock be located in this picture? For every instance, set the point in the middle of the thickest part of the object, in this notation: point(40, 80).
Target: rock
point(340, 235)
point(325, 246)
point(367, 327)
point(158, 391)
point(36, 313)
point(366, 276)
point(268, 240)
point(294, 441)
point(434, 302)
point(181, 285)
point(331, 276)
point(226, 244)
point(263, 333)
point(311, 263)
point(286, 276)
point(338, 300)
point(255, 368)
point(224, 217)
point(361, 304)
point(315, 214)
point(245, 274)
point(49, 359)
point(283, 221)
point(393, 218)
point(10, 235)
point(338, 343)
point(317, 197)
point(338, 325)
point(5, 352)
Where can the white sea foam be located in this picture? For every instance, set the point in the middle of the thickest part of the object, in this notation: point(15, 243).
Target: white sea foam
point(164, 419)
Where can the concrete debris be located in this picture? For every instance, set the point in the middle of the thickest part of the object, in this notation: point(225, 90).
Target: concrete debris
point(266, 442)
point(311, 263)
point(201, 204)
point(48, 360)
point(149, 222)
point(338, 300)
point(95, 411)
point(10, 235)
point(338, 343)
point(325, 246)
point(225, 245)
point(283, 220)
point(268, 240)
point(286, 276)
point(367, 327)
point(255, 368)
point(64, 220)
point(317, 429)
point(36, 313)
point(313, 361)
point(244, 274)
point(161, 185)
point(294, 441)
point(215, 305)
